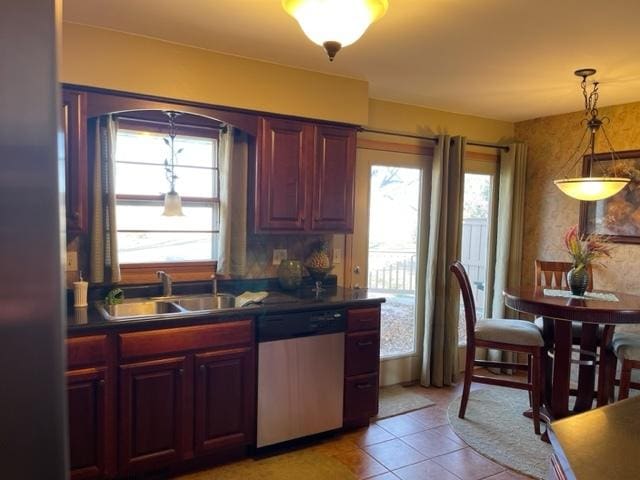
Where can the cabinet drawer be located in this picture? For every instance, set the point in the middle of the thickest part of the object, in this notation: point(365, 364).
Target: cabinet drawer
point(84, 351)
point(362, 353)
point(173, 340)
point(363, 319)
point(361, 396)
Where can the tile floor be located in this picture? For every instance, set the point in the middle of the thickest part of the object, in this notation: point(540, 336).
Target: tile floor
point(417, 445)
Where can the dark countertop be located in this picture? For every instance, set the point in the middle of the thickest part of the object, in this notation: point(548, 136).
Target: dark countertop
point(89, 320)
point(601, 443)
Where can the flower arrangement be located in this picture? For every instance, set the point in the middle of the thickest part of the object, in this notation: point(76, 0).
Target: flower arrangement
point(585, 250)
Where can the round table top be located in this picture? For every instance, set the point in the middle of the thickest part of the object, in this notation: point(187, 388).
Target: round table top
point(534, 301)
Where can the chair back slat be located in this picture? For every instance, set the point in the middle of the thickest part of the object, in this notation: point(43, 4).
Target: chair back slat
point(467, 298)
point(554, 274)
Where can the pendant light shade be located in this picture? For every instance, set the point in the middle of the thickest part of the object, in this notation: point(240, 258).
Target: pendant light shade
point(591, 188)
point(172, 205)
point(334, 24)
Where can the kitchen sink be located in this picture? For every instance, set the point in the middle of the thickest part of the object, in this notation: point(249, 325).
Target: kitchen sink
point(206, 302)
point(138, 308)
point(165, 306)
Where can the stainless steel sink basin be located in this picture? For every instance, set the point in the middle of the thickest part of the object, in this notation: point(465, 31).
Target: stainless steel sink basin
point(139, 308)
point(206, 302)
point(165, 306)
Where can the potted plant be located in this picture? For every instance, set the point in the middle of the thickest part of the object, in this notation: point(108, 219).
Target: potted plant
point(583, 252)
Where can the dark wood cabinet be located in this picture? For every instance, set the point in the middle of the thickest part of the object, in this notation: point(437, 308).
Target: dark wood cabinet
point(153, 398)
point(185, 391)
point(74, 125)
point(333, 179)
point(305, 177)
point(86, 397)
point(224, 399)
point(285, 157)
point(90, 407)
point(362, 365)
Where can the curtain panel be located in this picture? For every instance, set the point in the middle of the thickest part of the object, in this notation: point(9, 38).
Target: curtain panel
point(233, 161)
point(104, 239)
point(510, 220)
point(442, 298)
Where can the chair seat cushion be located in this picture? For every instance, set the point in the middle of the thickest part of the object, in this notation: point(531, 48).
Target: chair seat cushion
point(576, 329)
point(515, 332)
point(626, 346)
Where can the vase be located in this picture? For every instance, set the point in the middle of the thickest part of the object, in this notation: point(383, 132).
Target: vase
point(290, 274)
point(578, 279)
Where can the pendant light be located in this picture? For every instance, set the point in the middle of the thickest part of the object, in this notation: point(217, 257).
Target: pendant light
point(591, 188)
point(172, 201)
point(334, 24)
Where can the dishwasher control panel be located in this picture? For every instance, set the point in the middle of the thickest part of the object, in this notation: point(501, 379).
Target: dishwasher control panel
point(301, 324)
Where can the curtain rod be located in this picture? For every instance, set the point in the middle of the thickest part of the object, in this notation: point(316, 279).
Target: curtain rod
point(433, 138)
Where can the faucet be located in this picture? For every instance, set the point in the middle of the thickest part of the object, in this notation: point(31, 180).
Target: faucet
point(167, 283)
point(214, 280)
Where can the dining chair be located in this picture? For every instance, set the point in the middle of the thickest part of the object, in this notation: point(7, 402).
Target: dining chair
point(502, 334)
point(626, 347)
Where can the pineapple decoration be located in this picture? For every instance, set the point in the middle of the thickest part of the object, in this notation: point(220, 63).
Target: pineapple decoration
point(318, 264)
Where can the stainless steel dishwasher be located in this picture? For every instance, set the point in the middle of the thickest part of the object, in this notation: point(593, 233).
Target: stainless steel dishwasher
point(300, 374)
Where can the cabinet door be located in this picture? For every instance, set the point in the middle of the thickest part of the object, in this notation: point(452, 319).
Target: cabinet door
point(360, 397)
point(74, 124)
point(334, 179)
point(86, 407)
point(153, 397)
point(225, 399)
point(284, 160)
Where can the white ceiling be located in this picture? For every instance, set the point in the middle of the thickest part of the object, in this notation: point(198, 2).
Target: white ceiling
point(504, 59)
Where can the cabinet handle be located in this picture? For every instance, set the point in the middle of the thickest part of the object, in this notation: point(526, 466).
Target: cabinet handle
point(181, 371)
point(363, 386)
point(76, 214)
point(365, 344)
point(101, 383)
point(202, 368)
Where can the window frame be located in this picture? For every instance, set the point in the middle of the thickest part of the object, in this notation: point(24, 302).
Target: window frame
point(145, 272)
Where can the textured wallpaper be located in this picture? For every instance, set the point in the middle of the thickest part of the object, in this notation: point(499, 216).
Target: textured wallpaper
point(548, 212)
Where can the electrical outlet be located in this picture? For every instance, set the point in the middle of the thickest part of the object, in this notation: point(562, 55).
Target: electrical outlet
point(279, 254)
point(72, 261)
point(337, 256)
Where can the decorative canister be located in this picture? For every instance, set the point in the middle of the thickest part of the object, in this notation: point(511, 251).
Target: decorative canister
point(290, 274)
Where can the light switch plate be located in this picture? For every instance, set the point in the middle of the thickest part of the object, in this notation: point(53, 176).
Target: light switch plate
point(72, 261)
point(279, 254)
point(337, 256)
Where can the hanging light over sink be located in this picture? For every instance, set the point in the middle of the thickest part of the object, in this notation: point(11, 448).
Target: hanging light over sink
point(172, 201)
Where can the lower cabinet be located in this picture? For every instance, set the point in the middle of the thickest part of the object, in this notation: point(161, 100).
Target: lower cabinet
point(224, 393)
point(362, 365)
point(185, 392)
point(86, 409)
point(153, 398)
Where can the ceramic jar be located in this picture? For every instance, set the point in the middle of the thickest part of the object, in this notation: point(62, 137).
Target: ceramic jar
point(290, 274)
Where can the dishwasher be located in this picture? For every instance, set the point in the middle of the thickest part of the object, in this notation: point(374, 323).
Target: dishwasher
point(300, 374)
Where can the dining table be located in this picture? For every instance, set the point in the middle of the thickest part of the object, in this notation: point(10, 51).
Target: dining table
point(598, 313)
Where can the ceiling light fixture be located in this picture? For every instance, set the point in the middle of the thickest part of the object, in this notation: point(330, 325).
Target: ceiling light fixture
point(334, 24)
point(172, 201)
point(591, 188)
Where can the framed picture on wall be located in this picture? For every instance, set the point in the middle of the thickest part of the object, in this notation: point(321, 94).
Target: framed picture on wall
point(617, 216)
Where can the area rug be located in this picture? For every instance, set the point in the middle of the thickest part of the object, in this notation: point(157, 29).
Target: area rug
point(399, 399)
point(495, 427)
point(295, 465)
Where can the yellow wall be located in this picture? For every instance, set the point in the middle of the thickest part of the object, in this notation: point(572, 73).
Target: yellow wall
point(549, 213)
point(425, 121)
point(108, 59)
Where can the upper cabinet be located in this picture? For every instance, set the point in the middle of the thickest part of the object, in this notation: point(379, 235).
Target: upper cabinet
point(304, 177)
point(74, 125)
